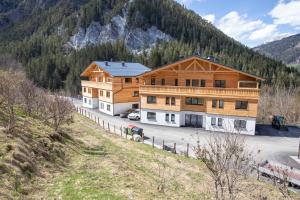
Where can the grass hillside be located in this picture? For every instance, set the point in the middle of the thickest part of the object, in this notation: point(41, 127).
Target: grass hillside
point(85, 162)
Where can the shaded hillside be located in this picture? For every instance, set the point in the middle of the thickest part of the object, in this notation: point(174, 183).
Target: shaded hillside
point(57, 39)
point(286, 50)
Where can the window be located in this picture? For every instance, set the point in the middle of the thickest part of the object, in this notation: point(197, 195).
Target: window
point(135, 94)
point(243, 105)
point(220, 83)
point(220, 122)
point(194, 101)
point(128, 80)
point(152, 81)
point(90, 90)
point(137, 80)
point(213, 121)
point(135, 106)
point(102, 106)
point(214, 103)
point(173, 101)
point(107, 94)
point(163, 81)
point(202, 83)
point(108, 107)
point(151, 115)
point(221, 104)
point(172, 117)
point(84, 100)
point(151, 99)
point(188, 82)
point(101, 93)
point(195, 83)
point(84, 89)
point(167, 100)
point(167, 117)
point(90, 102)
point(176, 82)
point(240, 124)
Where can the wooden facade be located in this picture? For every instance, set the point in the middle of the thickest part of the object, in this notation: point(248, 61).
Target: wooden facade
point(203, 81)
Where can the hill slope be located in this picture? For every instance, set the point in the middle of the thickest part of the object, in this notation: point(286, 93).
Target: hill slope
point(56, 39)
point(286, 50)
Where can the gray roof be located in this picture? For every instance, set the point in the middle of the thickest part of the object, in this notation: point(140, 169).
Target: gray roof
point(117, 68)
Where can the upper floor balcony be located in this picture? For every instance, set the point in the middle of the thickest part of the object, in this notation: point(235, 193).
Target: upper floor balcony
point(237, 93)
point(98, 85)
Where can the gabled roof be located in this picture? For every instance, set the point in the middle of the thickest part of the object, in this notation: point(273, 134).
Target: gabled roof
point(119, 69)
point(202, 59)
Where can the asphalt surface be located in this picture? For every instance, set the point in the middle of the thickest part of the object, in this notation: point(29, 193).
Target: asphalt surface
point(271, 144)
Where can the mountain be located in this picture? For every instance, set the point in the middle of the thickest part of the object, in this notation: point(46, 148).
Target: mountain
point(56, 39)
point(286, 50)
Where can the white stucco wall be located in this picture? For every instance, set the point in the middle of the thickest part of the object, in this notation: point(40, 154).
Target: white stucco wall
point(228, 124)
point(88, 102)
point(160, 118)
point(104, 108)
point(123, 107)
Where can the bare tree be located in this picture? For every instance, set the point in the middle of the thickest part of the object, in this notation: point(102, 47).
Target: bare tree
point(228, 161)
point(29, 94)
point(58, 110)
point(9, 93)
point(280, 101)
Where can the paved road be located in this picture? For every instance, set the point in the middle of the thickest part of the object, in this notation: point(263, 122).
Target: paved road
point(273, 146)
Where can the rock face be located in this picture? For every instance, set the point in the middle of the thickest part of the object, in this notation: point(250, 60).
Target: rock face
point(135, 39)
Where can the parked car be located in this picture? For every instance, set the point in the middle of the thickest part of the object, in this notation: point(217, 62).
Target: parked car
point(133, 130)
point(135, 115)
point(278, 122)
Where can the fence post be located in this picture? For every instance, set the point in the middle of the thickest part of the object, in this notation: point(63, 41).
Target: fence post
point(103, 124)
point(98, 121)
point(153, 142)
point(143, 137)
point(174, 151)
point(114, 128)
point(108, 126)
point(187, 149)
point(126, 135)
point(121, 130)
point(163, 145)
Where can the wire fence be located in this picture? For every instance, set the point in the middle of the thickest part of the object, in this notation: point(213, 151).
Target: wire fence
point(120, 131)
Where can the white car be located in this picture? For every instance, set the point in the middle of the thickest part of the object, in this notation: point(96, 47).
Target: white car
point(135, 115)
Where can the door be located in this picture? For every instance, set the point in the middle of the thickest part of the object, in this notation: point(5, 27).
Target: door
point(194, 120)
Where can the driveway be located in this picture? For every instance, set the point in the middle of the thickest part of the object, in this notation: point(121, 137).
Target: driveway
point(272, 144)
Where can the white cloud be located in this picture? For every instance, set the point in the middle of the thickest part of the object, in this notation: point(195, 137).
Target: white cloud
point(238, 26)
point(263, 33)
point(211, 18)
point(286, 13)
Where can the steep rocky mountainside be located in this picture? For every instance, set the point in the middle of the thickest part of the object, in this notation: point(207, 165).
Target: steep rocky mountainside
point(55, 39)
point(286, 50)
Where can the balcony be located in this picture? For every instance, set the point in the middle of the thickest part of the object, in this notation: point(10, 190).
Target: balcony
point(98, 85)
point(202, 92)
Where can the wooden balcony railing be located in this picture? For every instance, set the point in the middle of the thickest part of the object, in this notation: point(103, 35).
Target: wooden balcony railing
point(98, 85)
point(197, 91)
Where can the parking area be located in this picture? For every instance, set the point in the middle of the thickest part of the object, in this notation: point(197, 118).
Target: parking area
point(272, 144)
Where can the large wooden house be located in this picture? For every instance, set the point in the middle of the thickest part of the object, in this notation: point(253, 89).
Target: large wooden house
point(113, 87)
point(197, 92)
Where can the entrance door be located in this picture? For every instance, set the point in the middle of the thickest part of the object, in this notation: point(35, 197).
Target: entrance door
point(194, 120)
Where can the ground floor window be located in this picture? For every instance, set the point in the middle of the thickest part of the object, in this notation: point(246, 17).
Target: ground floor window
point(213, 121)
point(135, 106)
point(84, 100)
point(151, 115)
point(173, 118)
point(220, 122)
point(167, 117)
point(102, 105)
point(90, 102)
point(240, 124)
point(108, 107)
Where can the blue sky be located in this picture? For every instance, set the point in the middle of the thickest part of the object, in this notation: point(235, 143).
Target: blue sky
point(252, 22)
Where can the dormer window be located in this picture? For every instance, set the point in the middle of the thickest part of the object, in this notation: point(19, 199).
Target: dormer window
point(128, 80)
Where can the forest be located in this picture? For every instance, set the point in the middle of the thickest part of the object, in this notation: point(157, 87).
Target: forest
point(39, 41)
